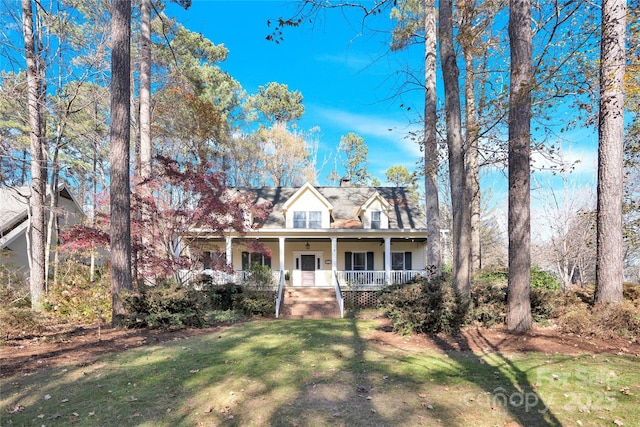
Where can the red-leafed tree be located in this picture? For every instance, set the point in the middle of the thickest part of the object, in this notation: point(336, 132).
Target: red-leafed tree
point(183, 202)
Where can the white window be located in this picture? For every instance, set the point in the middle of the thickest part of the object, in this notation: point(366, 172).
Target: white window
point(376, 221)
point(307, 219)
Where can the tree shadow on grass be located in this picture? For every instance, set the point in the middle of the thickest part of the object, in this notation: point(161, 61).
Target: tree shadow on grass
point(507, 388)
point(362, 391)
point(278, 373)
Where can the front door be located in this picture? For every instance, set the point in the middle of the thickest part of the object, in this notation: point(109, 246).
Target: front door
point(308, 264)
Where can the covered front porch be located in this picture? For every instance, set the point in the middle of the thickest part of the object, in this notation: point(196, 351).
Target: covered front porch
point(352, 259)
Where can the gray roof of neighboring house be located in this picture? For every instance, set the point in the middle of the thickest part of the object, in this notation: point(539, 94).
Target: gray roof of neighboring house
point(14, 203)
point(404, 213)
point(13, 206)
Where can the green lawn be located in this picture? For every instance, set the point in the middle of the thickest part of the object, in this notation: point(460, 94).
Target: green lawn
point(323, 372)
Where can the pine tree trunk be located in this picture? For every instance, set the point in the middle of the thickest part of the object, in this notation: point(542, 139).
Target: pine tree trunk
point(609, 262)
point(471, 144)
point(119, 155)
point(434, 251)
point(519, 222)
point(36, 94)
point(457, 173)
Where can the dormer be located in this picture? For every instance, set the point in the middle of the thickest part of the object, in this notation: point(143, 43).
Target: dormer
point(307, 208)
point(374, 213)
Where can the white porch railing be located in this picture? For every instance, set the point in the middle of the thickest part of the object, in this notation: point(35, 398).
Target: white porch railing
point(367, 279)
point(339, 297)
point(279, 294)
point(347, 279)
point(216, 277)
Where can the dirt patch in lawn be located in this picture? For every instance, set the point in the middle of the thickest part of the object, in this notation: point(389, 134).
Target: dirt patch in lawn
point(81, 345)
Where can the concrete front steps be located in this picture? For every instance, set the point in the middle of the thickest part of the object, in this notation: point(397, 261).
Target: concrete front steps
point(309, 303)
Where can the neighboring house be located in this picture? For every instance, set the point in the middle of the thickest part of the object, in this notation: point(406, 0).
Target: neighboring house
point(14, 222)
point(354, 238)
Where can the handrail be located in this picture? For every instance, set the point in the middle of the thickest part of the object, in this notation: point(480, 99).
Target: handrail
point(279, 293)
point(339, 297)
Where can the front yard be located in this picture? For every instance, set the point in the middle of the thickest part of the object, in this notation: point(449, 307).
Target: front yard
point(348, 372)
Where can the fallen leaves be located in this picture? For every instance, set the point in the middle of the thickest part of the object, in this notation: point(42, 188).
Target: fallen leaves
point(16, 409)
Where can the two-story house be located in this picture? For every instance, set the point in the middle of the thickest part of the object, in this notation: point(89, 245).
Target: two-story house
point(359, 238)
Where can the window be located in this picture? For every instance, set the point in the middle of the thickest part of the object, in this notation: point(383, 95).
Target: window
point(358, 261)
point(250, 258)
point(401, 260)
point(376, 219)
point(315, 219)
point(307, 219)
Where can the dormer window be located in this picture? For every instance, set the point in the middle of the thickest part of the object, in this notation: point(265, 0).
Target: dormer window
point(376, 219)
point(307, 219)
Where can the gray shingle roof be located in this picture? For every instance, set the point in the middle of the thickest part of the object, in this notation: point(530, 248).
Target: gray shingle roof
point(404, 213)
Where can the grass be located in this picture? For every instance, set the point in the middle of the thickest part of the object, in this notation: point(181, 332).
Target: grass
point(319, 373)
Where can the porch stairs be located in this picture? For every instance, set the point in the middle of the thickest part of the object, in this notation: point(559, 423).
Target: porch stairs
point(309, 303)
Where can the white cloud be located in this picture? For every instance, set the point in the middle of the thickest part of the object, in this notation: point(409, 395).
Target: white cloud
point(577, 160)
point(370, 126)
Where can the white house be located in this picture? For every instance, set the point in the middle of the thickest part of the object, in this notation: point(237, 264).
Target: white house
point(356, 238)
point(14, 222)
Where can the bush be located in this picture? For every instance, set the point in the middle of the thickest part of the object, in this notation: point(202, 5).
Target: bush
point(434, 307)
point(16, 316)
point(257, 303)
point(544, 303)
point(167, 306)
point(543, 279)
point(75, 298)
point(259, 276)
point(577, 314)
point(222, 297)
point(425, 307)
point(488, 304)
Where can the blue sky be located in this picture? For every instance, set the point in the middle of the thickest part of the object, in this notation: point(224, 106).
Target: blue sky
point(346, 78)
point(350, 84)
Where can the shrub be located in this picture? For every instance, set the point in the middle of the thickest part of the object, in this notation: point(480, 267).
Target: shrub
point(259, 276)
point(543, 279)
point(257, 303)
point(167, 306)
point(577, 314)
point(425, 307)
point(488, 304)
point(222, 297)
point(16, 316)
point(544, 303)
point(75, 298)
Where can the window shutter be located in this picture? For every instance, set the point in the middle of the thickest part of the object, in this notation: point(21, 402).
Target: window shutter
point(384, 260)
point(369, 260)
point(245, 260)
point(407, 261)
point(347, 260)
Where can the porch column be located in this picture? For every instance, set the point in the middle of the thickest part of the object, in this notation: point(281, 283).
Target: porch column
point(334, 259)
point(281, 250)
point(387, 260)
point(229, 251)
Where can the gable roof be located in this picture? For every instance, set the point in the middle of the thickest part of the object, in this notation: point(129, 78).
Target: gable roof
point(347, 202)
point(14, 210)
point(375, 196)
point(307, 187)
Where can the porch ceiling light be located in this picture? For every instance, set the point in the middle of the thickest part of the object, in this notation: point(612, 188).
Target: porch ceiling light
point(307, 246)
